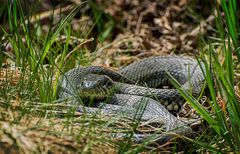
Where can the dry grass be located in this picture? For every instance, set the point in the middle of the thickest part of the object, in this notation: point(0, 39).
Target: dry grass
point(143, 29)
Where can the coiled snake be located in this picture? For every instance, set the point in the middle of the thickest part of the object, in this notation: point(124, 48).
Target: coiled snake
point(138, 84)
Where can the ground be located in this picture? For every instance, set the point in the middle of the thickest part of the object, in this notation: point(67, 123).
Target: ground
point(103, 33)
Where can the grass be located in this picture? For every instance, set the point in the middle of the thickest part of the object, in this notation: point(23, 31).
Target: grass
point(29, 96)
point(35, 90)
point(223, 118)
point(30, 119)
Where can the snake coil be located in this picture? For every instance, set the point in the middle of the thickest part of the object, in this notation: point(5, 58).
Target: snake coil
point(139, 82)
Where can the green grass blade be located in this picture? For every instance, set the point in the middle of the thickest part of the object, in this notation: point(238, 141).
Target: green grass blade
point(195, 104)
point(50, 40)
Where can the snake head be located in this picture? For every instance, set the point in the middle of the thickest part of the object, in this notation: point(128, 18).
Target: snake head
point(95, 86)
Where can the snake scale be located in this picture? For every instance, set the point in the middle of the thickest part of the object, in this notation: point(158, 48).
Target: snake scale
point(137, 89)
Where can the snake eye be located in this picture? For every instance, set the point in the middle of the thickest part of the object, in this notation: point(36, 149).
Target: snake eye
point(87, 83)
point(94, 85)
point(93, 81)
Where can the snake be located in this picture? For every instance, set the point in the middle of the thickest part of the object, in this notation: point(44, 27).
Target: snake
point(142, 88)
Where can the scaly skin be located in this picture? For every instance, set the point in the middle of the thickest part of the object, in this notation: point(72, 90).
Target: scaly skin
point(128, 97)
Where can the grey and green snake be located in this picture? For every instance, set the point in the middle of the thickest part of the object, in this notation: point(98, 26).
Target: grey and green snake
point(136, 87)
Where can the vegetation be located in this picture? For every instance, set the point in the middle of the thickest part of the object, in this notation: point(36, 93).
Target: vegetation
point(37, 47)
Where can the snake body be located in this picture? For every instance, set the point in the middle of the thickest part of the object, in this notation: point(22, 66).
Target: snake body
point(138, 84)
